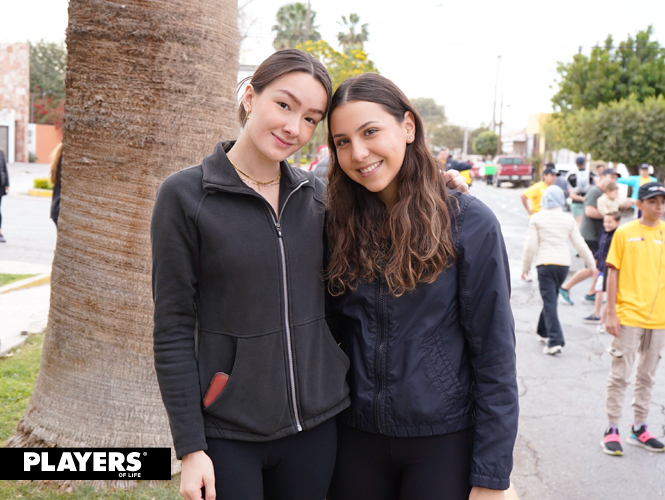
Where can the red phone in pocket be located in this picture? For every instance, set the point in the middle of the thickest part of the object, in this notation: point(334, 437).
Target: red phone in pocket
point(215, 388)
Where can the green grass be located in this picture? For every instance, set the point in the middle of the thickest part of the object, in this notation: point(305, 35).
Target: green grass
point(11, 490)
point(18, 373)
point(6, 279)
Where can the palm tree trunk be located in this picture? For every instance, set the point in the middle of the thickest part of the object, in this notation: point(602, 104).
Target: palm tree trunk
point(150, 88)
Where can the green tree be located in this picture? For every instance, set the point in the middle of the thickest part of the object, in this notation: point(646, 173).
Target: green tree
point(472, 137)
point(452, 136)
point(636, 67)
point(292, 26)
point(626, 131)
point(448, 135)
point(429, 110)
point(356, 36)
point(486, 143)
point(434, 121)
point(48, 62)
point(340, 66)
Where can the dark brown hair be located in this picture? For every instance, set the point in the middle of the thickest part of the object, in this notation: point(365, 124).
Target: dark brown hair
point(413, 243)
point(615, 215)
point(282, 63)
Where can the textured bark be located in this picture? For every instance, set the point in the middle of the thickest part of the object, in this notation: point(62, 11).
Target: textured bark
point(150, 89)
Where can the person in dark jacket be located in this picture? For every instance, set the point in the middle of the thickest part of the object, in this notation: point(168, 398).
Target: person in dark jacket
point(237, 245)
point(56, 176)
point(419, 299)
point(4, 187)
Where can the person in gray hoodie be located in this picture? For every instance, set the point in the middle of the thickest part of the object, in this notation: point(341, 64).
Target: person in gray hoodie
point(547, 239)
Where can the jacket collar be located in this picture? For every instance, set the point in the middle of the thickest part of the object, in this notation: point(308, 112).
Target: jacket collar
point(218, 172)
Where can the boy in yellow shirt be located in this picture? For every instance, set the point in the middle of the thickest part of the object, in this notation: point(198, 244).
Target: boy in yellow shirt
point(535, 193)
point(636, 316)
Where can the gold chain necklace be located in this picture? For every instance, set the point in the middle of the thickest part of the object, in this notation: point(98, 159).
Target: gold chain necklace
point(249, 180)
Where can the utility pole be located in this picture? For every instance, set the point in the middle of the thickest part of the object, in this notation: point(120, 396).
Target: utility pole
point(308, 15)
point(496, 84)
point(498, 146)
point(466, 141)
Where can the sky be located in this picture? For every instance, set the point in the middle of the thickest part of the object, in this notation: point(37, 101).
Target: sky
point(446, 50)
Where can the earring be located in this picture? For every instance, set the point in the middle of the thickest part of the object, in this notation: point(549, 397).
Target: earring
point(248, 113)
point(410, 137)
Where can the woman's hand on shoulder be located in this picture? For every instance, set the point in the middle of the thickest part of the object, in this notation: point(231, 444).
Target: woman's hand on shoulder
point(455, 181)
point(197, 472)
point(478, 493)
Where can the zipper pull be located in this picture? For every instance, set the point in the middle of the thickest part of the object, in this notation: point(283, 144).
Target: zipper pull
point(278, 226)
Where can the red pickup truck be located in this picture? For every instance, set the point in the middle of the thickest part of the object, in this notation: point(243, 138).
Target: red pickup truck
point(512, 168)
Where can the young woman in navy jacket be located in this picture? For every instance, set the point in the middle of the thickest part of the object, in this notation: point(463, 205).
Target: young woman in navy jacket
point(237, 245)
point(420, 302)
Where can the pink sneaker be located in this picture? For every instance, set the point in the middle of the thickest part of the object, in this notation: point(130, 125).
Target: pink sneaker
point(642, 437)
point(611, 443)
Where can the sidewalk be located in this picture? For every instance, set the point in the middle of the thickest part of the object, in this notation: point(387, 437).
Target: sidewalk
point(23, 310)
point(31, 238)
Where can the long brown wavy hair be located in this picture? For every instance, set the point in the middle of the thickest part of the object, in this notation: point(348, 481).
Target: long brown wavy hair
point(413, 243)
point(55, 159)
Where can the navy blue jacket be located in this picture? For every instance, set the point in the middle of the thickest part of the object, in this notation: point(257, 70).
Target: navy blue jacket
point(603, 249)
point(442, 357)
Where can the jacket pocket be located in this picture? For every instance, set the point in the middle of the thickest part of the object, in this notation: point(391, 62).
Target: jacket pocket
point(255, 398)
point(321, 369)
point(441, 369)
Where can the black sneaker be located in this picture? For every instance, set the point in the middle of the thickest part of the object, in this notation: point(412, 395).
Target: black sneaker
point(611, 443)
point(642, 437)
point(592, 319)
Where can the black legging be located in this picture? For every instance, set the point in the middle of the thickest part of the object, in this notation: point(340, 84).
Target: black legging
point(377, 467)
point(297, 467)
point(0, 208)
point(550, 279)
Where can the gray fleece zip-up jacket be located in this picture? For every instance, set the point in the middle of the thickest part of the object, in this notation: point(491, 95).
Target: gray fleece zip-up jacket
point(240, 291)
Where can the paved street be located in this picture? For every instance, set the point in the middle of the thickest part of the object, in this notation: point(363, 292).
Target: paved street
point(558, 455)
point(31, 237)
point(26, 225)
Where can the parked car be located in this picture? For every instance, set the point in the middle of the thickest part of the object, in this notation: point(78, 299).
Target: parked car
point(512, 168)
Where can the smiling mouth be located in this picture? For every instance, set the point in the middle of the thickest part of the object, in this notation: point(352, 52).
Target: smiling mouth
point(370, 168)
point(282, 142)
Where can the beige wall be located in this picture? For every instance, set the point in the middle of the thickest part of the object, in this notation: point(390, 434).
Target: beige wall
point(15, 90)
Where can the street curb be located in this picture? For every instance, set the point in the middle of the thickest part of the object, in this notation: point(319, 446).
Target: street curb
point(40, 279)
point(47, 193)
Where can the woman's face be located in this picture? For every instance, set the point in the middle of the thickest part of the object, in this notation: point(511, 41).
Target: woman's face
point(284, 116)
point(371, 145)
